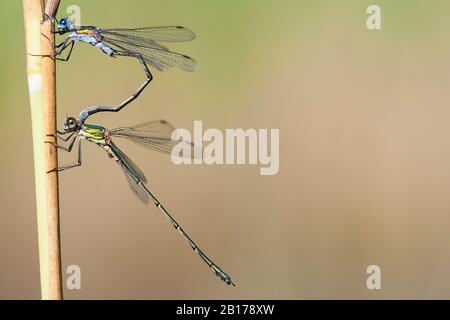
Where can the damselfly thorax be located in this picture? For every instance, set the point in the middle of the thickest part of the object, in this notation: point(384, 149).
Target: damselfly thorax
point(100, 136)
point(96, 134)
point(92, 37)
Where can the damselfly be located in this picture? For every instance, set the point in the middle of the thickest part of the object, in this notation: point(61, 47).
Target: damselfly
point(155, 135)
point(139, 43)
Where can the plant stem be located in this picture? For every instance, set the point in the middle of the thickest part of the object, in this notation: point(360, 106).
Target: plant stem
point(42, 89)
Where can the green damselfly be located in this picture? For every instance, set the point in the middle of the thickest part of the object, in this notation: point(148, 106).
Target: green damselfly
point(154, 135)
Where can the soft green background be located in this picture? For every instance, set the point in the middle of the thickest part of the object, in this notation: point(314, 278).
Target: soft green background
point(364, 174)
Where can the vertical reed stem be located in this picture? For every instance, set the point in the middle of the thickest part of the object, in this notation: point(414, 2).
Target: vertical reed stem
point(42, 89)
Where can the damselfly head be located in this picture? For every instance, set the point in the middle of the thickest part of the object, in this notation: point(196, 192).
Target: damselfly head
point(71, 124)
point(64, 25)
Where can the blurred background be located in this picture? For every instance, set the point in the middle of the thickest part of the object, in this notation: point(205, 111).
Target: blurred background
point(364, 154)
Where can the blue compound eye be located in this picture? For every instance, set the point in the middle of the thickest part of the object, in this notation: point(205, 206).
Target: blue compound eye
point(63, 26)
point(62, 23)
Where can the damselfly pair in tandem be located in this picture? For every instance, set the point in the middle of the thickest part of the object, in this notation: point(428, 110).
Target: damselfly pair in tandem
point(141, 43)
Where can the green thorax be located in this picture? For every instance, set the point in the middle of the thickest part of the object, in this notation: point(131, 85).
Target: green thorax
point(93, 133)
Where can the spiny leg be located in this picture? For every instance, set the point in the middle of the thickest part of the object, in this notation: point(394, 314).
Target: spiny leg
point(77, 164)
point(65, 45)
point(51, 56)
point(62, 44)
point(60, 135)
point(65, 148)
point(61, 48)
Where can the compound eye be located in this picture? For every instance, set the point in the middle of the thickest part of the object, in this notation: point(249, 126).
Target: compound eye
point(71, 123)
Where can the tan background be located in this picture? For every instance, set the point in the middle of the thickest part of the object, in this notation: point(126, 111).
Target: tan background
point(365, 154)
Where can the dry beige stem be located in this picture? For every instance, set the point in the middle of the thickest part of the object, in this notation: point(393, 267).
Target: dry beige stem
point(41, 73)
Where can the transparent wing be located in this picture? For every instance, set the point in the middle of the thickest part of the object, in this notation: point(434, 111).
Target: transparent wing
point(143, 35)
point(159, 128)
point(156, 136)
point(133, 174)
point(136, 188)
point(128, 162)
point(155, 54)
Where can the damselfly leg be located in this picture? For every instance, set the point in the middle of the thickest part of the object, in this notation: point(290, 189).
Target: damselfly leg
point(51, 56)
point(67, 149)
point(63, 46)
point(62, 135)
